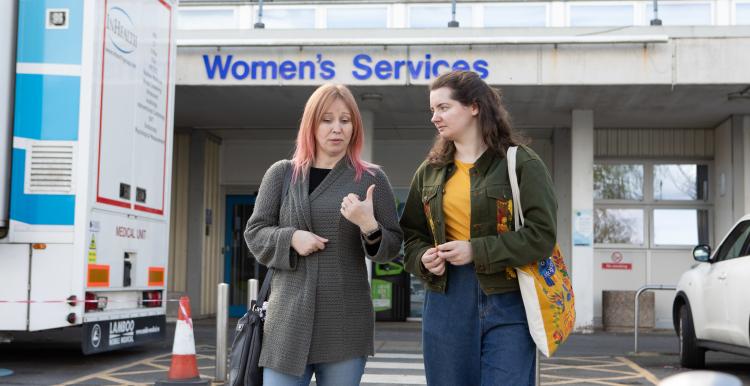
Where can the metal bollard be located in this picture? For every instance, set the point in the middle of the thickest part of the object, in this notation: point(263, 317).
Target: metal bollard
point(252, 291)
point(222, 312)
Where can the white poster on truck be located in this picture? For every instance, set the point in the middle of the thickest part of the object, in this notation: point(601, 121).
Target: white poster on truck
point(132, 143)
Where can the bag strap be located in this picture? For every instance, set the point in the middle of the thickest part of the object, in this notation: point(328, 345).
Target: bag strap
point(517, 210)
point(266, 287)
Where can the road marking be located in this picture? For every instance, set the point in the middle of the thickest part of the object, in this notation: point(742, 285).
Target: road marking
point(113, 374)
point(398, 356)
point(394, 365)
point(645, 373)
point(394, 379)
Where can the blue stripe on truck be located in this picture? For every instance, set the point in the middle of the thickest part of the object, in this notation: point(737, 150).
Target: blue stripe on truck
point(37, 209)
point(47, 107)
point(38, 44)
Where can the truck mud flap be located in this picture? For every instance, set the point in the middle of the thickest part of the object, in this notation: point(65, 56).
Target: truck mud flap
point(116, 334)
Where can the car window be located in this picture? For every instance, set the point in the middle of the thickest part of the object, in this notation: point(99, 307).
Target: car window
point(736, 244)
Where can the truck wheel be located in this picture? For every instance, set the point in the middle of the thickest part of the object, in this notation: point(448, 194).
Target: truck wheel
point(691, 355)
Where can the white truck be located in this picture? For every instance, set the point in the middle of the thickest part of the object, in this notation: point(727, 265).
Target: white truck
point(86, 132)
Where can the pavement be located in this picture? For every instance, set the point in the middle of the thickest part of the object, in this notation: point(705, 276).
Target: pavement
point(600, 358)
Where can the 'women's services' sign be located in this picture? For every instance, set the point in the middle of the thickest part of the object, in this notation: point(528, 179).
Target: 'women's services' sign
point(363, 66)
point(392, 65)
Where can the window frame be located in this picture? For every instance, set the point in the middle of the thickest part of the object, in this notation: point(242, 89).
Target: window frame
point(316, 14)
point(733, 10)
point(383, 6)
point(235, 16)
point(648, 204)
point(470, 6)
point(545, 5)
point(601, 4)
point(711, 5)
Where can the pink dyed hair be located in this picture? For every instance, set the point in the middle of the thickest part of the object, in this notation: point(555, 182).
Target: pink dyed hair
point(315, 108)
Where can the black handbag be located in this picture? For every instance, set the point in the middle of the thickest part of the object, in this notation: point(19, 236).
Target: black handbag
point(244, 355)
point(248, 337)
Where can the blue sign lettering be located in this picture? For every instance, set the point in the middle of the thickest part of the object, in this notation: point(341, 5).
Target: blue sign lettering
point(221, 67)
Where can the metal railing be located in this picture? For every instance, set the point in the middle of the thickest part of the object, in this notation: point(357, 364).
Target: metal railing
point(638, 293)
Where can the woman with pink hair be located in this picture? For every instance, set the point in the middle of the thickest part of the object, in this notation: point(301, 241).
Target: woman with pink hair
point(338, 208)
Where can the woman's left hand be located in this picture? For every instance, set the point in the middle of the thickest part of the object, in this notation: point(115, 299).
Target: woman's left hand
point(360, 213)
point(456, 252)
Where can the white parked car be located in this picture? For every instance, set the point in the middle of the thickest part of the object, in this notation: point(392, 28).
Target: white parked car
point(711, 309)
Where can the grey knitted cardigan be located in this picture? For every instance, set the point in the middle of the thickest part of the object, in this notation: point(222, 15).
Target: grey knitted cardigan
point(320, 309)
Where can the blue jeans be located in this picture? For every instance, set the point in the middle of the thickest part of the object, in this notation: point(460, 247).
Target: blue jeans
point(471, 339)
point(344, 373)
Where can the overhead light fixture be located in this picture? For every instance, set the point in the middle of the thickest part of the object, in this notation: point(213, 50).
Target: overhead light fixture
point(656, 21)
point(453, 23)
point(744, 94)
point(371, 96)
point(259, 24)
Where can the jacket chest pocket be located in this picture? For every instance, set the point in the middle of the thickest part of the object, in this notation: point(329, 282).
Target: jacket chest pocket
point(429, 205)
point(500, 207)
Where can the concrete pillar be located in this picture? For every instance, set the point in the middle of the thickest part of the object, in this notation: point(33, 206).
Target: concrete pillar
point(741, 166)
point(368, 122)
point(196, 219)
point(562, 162)
point(723, 184)
point(582, 202)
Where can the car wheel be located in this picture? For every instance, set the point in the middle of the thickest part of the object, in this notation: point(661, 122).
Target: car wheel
point(691, 355)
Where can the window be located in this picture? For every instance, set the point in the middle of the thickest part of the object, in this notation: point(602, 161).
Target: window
point(736, 243)
point(601, 15)
point(683, 14)
point(743, 13)
point(431, 16)
point(206, 19)
point(651, 205)
point(680, 182)
point(357, 18)
point(515, 16)
point(618, 182)
point(687, 227)
point(286, 18)
point(618, 226)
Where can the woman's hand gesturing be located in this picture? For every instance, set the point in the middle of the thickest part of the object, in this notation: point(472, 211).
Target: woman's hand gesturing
point(360, 213)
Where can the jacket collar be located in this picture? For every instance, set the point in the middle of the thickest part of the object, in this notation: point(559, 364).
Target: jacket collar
point(482, 164)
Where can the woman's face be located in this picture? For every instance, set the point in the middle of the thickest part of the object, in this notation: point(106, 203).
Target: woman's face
point(334, 131)
point(450, 117)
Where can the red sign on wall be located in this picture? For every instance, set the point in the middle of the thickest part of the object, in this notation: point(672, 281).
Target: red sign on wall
point(624, 266)
point(617, 262)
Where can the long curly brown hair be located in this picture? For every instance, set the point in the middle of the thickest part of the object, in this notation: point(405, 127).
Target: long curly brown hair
point(494, 120)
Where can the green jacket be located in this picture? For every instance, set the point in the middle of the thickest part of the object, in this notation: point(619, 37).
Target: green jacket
point(494, 245)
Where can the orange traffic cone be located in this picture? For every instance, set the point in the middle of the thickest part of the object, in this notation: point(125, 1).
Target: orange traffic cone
point(184, 367)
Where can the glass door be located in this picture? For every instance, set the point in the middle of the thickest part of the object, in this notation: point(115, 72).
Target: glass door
point(240, 265)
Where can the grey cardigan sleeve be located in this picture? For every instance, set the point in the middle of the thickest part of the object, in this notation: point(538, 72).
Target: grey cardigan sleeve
point(270, 243)
point(384, 208)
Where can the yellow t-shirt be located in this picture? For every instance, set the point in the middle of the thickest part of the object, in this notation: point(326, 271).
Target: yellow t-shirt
point(457, 203)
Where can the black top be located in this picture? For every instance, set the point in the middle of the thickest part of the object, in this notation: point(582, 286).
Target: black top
point(317, 176)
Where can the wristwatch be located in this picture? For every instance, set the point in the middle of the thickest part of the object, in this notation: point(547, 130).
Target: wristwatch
point(373, 235)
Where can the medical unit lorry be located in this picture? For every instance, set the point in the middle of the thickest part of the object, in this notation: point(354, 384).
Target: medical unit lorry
point(85, 163)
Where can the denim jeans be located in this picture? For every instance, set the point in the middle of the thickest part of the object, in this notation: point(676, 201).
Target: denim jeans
point(471, 339)
point(344, 373)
